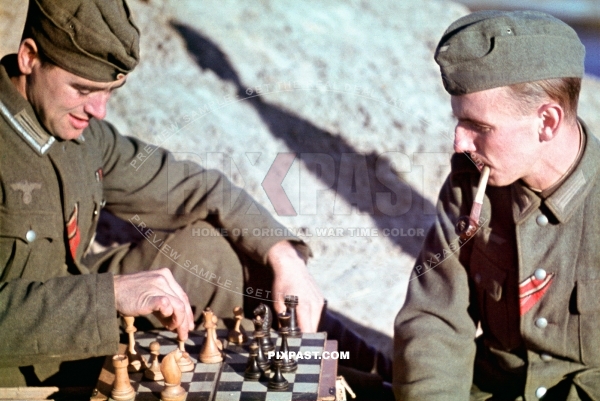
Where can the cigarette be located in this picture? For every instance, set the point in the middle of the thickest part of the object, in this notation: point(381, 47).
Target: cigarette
point(478, 202)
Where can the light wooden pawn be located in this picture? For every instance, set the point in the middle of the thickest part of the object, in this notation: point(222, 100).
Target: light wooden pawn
point(236, 335)
point(153, 372)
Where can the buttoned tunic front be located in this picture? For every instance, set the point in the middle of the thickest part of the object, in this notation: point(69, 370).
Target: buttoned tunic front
point(530, 276)
point(51, 194)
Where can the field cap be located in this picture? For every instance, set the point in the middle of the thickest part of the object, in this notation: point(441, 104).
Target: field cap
point(94, 39)
point(490, 49)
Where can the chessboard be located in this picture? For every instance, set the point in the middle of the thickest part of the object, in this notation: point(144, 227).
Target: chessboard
point(314, 380)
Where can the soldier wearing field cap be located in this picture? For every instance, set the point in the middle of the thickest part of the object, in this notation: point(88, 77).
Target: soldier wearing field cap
point(529, 276)
point(61, 165)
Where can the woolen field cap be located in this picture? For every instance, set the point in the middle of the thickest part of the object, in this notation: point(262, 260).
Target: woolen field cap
point(94, 39)
point(490, 49)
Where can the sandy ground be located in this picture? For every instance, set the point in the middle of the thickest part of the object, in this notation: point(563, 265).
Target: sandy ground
point(345, 92)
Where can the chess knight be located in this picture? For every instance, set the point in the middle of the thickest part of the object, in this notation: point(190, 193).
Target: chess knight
point(62, 166)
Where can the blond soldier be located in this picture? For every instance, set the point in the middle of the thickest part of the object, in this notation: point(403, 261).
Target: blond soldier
point(530, 275)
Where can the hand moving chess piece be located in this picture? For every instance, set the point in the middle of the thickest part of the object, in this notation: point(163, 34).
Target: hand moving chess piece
point(185, 363)
point(172, 376)
point(291, 302)
point(122, 389)
point(210, 352)
point(136, 360)
point(153, 372)
point(236, 335)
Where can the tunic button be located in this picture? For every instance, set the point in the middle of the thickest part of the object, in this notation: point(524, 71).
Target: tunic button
point(542, 220)
point(540, 392)
point(30, 236)
point(540, 274)
point(545, 357)
point(541, 323)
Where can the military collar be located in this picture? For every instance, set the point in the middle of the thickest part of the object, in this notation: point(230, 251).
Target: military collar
point(19, 114)
point(571, 193)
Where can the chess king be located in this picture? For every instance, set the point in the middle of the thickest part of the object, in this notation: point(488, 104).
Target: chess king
point(529, 276)
point(61, 165)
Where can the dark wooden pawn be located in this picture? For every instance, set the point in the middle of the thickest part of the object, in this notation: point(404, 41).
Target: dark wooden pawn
point(253, 371)
point(287, 364)
point(277, 382)
point(291, 302)
point(261, 359)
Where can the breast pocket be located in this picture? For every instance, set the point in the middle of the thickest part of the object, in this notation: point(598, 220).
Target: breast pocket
point(490, 285)
point(588, 307)
point(31, 245)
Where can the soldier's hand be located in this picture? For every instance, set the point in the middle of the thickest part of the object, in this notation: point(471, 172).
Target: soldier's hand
point(158, 293)
point(292, 278)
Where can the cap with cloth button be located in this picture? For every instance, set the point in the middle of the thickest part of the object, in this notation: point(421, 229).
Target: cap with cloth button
point(490, 49)
point(93, 39)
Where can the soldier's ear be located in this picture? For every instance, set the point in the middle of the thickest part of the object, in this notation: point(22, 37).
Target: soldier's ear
point(551, 116)
point(28, 56)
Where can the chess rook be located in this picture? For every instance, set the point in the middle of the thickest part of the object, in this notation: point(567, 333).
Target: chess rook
point(122, 388)
point(291, 302)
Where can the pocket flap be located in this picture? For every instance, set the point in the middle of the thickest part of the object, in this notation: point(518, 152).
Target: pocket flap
point(588, 296)
point(16, 224)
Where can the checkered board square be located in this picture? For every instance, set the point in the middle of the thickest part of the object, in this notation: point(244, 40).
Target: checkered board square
point(225, 381)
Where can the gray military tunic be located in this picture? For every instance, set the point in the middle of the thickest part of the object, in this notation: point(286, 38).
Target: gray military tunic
point(530, 277)
point(52, 191)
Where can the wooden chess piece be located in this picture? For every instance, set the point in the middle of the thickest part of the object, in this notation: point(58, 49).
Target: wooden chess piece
point(277, 382)
point(185, 363)
point(153, 372)
point(122, 388)
point(287, 364)
point(291, 302)
point(263, 314)
point(136, 360)
point(170, 370)
point(210, 352)
point(253, 371)
point(236, 335)
point(264, 338)
point(215, 319)
point(261, 359)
